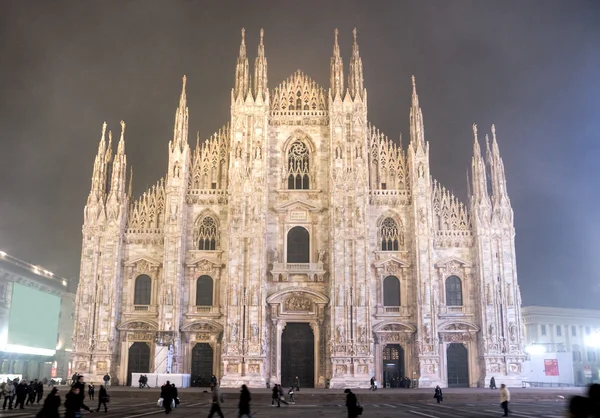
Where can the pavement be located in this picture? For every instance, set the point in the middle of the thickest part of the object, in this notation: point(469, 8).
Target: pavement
point(465, 403)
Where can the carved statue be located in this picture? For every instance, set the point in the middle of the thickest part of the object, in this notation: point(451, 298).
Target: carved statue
point(234, 294)
point(275, 255)
point(421, 170)
point(361, 295)
point(234, 333)
point(255, 296)
point(321, 256)
point(340, 295)
point(296, 303)
point(254, 332)
point(341, 336)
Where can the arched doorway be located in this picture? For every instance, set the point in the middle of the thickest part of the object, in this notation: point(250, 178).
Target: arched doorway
point(202, 364)
point(393, 365)
point(139, 360)
point(457, 358)
point(298, 355)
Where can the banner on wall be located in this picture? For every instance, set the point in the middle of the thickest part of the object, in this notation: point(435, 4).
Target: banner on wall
point(551, 367)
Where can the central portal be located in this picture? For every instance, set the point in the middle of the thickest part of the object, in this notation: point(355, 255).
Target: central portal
point(298, 355)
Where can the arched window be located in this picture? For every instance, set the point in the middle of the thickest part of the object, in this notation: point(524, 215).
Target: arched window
point(298, 245)
point(143, 290)
point(204, 291)
point(298, 167)
point(390, 235)
point(453, 291)
point(207, 234)
point(391, 291)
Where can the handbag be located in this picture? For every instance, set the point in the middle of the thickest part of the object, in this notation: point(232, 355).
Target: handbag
point(172, 403)
point(177, 401)
point(160, 402)
point(359, 409)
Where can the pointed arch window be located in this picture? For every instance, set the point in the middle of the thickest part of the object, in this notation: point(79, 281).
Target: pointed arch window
point(298, 167)
point(391, 237)
point(298, 245)
point(204, 291)
point(208, 234)
point(454, 291)
point(391, 291)
point(143, 290)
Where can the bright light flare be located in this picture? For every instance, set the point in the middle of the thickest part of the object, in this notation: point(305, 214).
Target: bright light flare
point(534, 349)
point(592, 340)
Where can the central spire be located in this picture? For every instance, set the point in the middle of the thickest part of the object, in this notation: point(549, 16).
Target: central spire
point(180, 130)
point(336, 69)
point(417, 134)
point(355, 77)
point(242, 80)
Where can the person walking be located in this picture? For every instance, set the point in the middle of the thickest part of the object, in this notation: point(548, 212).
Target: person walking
point(493, 383)
point(281, 395)
point(175, 394)
point(504, 398)
point(51, 405)
point(297, 384)
point(439, 396)
point(166, 393)
point(39, 391)
point(351, 404)
point(21, 394)
point(217, 400)
point(74, 403)
point(106, 379)
point(103, 399)
point(9, 394)
point(372, 383)
point(291, 393)
point(275, 396)
point(244, 405)
point(31, 392)
point(91, 391)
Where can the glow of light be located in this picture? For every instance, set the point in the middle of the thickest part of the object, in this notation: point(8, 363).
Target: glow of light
point(64, 282)
point(2, 254)
point(22, 349)
point(534, 349)
point(592, 340)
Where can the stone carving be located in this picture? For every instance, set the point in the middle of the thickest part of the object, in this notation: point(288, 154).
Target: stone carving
point(297, 303)
point(362, 334)
point(341, 369)
point(254, 332)
point(138, 325)
point(141, 336)
point(234, 336)
point(321, 256)
point(202, 336)
point(458, 327)
point(234, 294)
point(201, 327)
point(253, 368)
point(232, 368)
point(340, 296)
point(341, 336)
point(394, 327)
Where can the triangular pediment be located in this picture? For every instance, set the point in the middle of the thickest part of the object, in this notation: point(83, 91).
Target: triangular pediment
point(298, 93)
point(143, 261)
point(205, 263)
point(391, 261)
point(297, 205)
point(452, 262)
point(458, 327)
point(393, 327)
point(138, 325)
point(203, 325)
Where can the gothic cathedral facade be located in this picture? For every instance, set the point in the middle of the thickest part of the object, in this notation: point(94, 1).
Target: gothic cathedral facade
point(299, 240)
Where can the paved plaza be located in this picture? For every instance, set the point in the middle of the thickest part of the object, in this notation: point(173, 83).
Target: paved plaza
point(129, 403)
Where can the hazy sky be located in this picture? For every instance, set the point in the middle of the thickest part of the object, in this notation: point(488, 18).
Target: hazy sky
point(530, 67)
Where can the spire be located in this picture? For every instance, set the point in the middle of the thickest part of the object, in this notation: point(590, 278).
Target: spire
point(355, 76)
point(498, 178)
point(130, 188)
point(180, 130)
point(260, 70)
point(99, 173)
point(119, 169)
point(242, 71)
point(336, 69)
point(480, 192)
point(417, 134)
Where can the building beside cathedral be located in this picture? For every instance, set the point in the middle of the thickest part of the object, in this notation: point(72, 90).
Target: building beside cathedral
point(299, 240)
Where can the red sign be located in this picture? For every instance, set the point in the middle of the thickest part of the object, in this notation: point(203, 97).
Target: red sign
point(551, 367)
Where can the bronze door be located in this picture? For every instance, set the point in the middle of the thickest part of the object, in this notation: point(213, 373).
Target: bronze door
point(298, 355)
point(393, 365)
point(202, 364)
point(458, 366)
point(139, 360)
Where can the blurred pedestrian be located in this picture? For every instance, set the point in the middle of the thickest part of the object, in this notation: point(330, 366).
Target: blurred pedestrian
point(51, 405)
point(217, 400)
point(438, 394)
point(103, 399)
point(244, 404)
point(504, 399)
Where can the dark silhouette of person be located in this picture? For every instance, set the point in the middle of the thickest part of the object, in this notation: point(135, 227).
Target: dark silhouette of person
point(166, 392)
point(103, 398)
point(31, 392)
point(275, 395)
point(244, 405)
point(21, 394)
point(51, 405)
point(297, 384)
point(351, 404)
point(74, 403)
point(439, 396)
point(39, 391)
point(493, 383)
point(91, 392)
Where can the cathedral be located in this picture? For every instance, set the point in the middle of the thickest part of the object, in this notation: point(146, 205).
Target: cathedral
point(299, 241)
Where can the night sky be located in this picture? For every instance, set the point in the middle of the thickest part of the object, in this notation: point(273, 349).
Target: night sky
point(530, 67)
